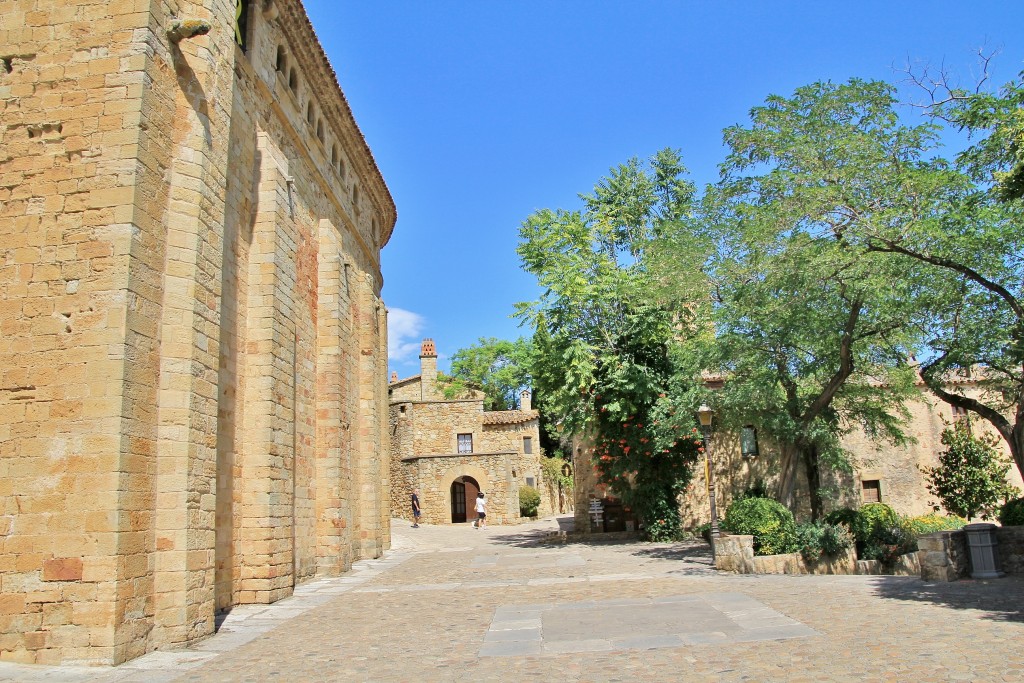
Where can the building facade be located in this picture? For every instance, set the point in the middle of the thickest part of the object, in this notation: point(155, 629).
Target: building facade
point(880, 472)
point(193, 412)
point(452, 449)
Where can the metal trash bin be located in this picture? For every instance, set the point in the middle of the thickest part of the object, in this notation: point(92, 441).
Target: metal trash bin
point(981, 547)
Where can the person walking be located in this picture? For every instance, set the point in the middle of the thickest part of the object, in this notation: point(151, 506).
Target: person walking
point(481, 510)
point(415, 508)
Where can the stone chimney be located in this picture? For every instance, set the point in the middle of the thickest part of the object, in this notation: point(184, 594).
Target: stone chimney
point(524, 401)
point(394, 377)
point(428, 370)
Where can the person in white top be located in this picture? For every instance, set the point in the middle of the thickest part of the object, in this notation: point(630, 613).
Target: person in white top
point(481, 511)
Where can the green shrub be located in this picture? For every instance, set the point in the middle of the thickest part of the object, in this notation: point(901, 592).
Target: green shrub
point(929, 524)
point(851, 519)
point(1012, 513)
point(887, 543)
point(529, 501)
point(769, 522)
point(875, 517)
point(821, 539)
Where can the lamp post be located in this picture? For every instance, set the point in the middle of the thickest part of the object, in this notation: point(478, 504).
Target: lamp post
point(704, 413)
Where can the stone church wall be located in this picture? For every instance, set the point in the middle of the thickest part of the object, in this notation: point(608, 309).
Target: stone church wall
point(192, 340)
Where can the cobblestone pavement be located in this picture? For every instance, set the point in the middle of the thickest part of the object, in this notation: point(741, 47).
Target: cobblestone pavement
point(456, 604)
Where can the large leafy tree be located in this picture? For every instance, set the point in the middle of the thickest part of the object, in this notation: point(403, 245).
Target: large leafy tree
point(973, 249)
point(811, 331)
point(602, 363)
point(498, 368)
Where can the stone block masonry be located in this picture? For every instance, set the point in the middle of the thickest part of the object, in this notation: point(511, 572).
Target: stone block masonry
point(193, 409)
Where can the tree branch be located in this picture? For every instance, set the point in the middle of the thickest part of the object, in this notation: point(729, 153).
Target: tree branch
point(891, 247)
point(845, 365)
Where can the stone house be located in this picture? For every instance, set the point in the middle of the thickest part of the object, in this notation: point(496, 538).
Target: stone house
point(192, 339)
point(880, 472)
point(451, 449)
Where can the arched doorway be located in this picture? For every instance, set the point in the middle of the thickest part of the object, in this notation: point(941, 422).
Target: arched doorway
point(464, 490)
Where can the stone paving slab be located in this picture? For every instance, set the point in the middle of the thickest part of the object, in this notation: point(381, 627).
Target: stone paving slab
point(624, 624)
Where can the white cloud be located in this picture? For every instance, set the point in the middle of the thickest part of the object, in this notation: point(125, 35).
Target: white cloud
point(404, 329)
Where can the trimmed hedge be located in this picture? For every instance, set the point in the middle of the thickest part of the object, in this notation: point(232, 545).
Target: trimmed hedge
point(876, 517)
point(821, 539)
point(768, 521)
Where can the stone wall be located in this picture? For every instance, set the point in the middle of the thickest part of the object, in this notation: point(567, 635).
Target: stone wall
point(735, 553)
point(192, 339)
point(943, 556)
point(1011, 549)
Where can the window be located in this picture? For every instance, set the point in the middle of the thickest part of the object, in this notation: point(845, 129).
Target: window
point(465, 443)
point(282, 59)
point(871, 491)
point(530, 481)
point(527, 444)
point(293, 81)
point(320, 130)
point(959, 413)
point(309, 113)
point(748, 442)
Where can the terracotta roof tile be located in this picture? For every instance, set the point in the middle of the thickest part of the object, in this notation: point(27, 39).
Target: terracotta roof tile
point(509, 417)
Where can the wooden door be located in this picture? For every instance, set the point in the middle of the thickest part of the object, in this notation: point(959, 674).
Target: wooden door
point(458, 502)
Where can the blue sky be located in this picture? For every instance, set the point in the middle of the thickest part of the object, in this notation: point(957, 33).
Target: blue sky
point(479, 113)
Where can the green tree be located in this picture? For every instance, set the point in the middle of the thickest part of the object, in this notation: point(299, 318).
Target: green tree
point(971, 475)
point(993, 118)
point(811, 331)
point(973, 248)
point(602, 362)
point(497, 367)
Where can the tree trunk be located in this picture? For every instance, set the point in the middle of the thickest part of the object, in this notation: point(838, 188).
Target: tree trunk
point(787, 474)
point(813, 469)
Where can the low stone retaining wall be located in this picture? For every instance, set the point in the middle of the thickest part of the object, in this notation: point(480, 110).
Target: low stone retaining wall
point(1011, 549)
point(944, 555)
point(735, 553)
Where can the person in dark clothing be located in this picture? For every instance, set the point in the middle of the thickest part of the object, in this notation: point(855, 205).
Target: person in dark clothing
point(415, 508)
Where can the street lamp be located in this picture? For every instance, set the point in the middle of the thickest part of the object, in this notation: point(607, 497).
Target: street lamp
point(704, 413)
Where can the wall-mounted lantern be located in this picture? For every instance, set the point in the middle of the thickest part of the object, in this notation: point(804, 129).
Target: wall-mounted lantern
point(748, 442)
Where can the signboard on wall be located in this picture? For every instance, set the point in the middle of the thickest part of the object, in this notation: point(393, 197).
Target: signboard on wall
point(241, 22)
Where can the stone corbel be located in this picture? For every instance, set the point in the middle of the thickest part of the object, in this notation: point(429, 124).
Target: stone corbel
point(269, 10)
point(187, 28)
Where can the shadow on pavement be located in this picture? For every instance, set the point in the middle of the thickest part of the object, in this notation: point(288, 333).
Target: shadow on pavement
point(1000, 599)
point(694, 552)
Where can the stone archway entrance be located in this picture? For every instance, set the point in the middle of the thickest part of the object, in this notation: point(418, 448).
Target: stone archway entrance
point(463, 493)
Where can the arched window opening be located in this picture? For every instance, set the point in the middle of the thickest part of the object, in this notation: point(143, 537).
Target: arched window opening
point(282, 60)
